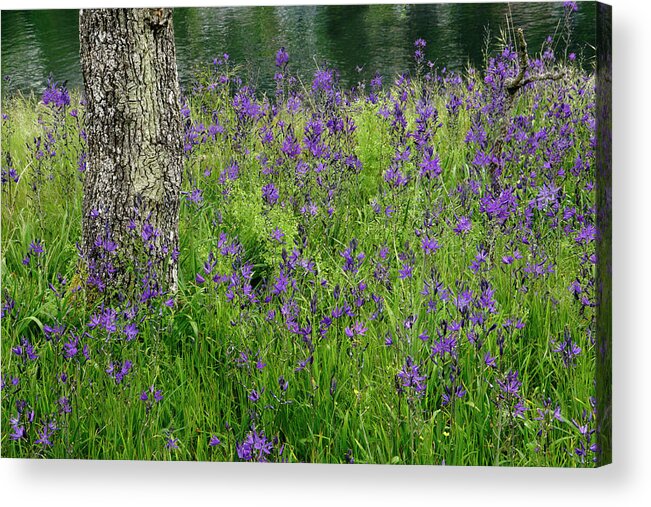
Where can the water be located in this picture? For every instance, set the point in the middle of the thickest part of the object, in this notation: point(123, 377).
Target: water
point(357, 40)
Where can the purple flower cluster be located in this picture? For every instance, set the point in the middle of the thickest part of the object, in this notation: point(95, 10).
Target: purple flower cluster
point(254, 447)
point(56, 95)
point(119, 370)
point(400, 245)
point(409, 380)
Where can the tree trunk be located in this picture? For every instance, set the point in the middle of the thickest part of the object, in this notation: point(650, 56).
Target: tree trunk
point(135, 149)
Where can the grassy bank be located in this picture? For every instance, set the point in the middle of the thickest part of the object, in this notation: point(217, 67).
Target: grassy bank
point(399, 273)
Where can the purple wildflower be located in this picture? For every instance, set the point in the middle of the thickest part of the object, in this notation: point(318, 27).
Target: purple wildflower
point(489, 360)
point(19, 432)
point(130, 331)
point(281, 57)
point(270, 193)
point(36, 247)
point(64, 405)
point(571, 6)
point(45, 434)
point(405, 272)
point(282, 383)
point(511, 384)
point(55, 95)
point(254, 447)
point(429, 245)
point(430, 167)
point(410, 378)
point(463, 226)
point(567, 349)
point(277, 235)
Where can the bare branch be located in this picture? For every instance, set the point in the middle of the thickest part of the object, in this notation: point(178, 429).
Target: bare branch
point(514, 84)
point(546, 76)
point(517, 82)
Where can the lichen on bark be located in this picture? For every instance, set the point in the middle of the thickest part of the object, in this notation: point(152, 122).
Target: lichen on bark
point(135, 151)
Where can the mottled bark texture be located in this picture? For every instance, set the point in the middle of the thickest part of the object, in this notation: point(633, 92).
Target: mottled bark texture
point(135, 146)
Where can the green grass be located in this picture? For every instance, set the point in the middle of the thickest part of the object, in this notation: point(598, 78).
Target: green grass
point(191, 351)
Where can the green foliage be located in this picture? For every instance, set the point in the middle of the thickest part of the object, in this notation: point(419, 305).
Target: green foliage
point(208, 353)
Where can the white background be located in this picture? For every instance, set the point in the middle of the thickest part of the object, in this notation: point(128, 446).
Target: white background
point(626, 482)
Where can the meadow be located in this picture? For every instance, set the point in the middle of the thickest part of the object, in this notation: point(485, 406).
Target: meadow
point(402, 272)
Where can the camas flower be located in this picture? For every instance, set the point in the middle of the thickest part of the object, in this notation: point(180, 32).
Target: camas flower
point(463, 226)
point(450, 393)
point(281, 57)
point(405, 272)
point(352, 263)
point(567, 349)
point(53, 332)
point(323, 80)
point(463, 300)
point(19, 432)
point(409, 378)
point(254, 396)
point(70, 348)
point(25, 350)
point(586, 235)
point(570, 6)
point(430, 167)
point(254, 447)
point(270, 193)
point(282, 383)
point(419, 54)
point(55, 95)
point(130, 331)
point(118, 371)
point(358, 329)
point(46, 433)
point(36, 247)
point(511, 384)
point(64, 405)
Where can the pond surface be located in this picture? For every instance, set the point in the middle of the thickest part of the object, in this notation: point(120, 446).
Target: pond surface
point(358, 40)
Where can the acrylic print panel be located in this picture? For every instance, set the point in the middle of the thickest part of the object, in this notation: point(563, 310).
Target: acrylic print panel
point(345, 234)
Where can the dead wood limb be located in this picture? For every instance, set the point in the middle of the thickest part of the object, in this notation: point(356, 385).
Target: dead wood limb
point(517, 82)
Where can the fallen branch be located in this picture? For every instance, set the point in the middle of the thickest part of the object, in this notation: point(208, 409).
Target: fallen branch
point(517, 82)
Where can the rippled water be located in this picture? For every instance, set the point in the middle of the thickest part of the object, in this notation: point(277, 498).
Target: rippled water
point(358, 40)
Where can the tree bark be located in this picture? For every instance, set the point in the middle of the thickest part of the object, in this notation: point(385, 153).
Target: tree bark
point(135, 147)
